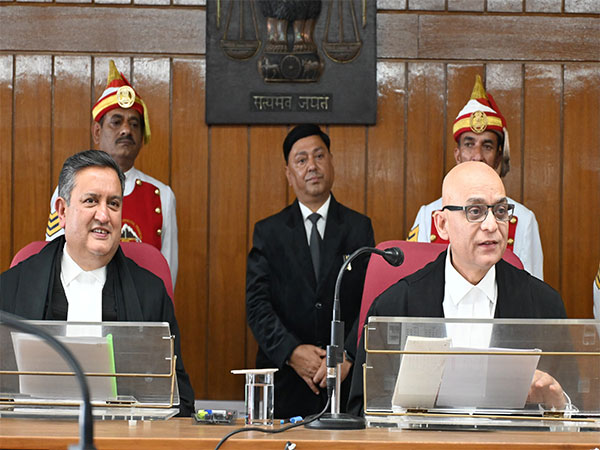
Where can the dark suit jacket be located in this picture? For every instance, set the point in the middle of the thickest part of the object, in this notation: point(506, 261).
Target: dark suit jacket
point(421, 294)
point(139, 296)
point(287, 307)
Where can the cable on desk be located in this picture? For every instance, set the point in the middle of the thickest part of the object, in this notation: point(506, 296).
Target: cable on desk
point(309, 419)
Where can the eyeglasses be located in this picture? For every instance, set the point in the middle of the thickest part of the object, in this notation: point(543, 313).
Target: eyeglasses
point(503, 212)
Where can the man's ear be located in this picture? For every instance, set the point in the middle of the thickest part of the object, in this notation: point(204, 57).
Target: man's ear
point(96, 128)
point(61, 206)
point(287, 174)
point(441, 224)
point(457, 155)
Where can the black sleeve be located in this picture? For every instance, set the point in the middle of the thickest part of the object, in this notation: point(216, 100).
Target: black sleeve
point(186, 392)
point(272, 335)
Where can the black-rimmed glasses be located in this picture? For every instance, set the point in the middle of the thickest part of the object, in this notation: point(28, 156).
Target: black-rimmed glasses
point(503, 212)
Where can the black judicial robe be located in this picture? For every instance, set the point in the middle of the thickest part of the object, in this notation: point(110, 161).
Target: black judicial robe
point(28, 289)
point(421, 294)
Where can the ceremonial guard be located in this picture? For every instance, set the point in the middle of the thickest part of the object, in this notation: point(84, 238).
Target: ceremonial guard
point(481, 135)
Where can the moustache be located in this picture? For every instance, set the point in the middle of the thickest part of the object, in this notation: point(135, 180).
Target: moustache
point(126, 139)
point(313, 175)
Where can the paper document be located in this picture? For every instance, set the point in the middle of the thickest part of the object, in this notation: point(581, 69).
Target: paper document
point(419, 376)
point(487, 381)
point(94, 354)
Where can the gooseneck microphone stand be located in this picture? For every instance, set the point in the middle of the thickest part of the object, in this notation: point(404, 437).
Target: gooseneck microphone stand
point(335, 350)
point(86, 424)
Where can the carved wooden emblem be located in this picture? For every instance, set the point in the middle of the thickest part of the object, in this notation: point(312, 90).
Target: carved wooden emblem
point(291, 61)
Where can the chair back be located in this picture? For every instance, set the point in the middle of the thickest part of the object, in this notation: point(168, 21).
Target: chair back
point(33, 248)
point(380, 275)
point(150, 258)
point(145, 255)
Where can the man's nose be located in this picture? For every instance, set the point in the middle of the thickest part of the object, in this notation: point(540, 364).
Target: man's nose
point(476, 153)
point(489, 223)
point(125, 129)
point(101, 213)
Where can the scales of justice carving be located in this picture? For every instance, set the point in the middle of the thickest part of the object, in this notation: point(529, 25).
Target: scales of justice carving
point(290, 52)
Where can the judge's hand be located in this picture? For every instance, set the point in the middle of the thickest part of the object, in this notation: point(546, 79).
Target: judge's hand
point(546, 390)
point(306, 361)
point(320, 378)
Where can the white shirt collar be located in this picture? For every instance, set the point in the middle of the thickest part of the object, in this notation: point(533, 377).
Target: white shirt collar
point(130, 176)
point(458, 287)
point(305, 210)
point(323, 210)
point(71, 270)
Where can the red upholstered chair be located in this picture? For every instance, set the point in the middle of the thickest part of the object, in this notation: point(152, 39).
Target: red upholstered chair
point(380, 275)
point(30, 249)
point(150, 258)
point(145, 255)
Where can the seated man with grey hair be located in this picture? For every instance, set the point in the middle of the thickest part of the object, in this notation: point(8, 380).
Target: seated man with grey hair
point(88, 260)
point(470, 280)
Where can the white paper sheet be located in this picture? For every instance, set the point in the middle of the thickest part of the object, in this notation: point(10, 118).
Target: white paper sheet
point(95, 354)
point(487, 381)
point(419, 376)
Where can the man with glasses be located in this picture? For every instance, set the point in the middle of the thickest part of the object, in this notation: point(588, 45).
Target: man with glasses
point(481, 135)
point(470, 279)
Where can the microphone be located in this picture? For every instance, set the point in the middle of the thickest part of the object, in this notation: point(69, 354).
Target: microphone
point(393, 255)
point(335, 350)
point(86, 424)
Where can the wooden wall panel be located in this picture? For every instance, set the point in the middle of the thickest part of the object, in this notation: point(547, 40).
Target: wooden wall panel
point(427, 5)
point(189, 137)
point(32, 140)
point(397, 36)
point(151, 79)
point(548, 6)
point(536, 43)
point(386, 154)
point(466, 5)
point(582, 6)
point(6, 178)
point(348, 149)
point(541, 165)
point(180, 31)
point(425, 142)
point(391, 4)
point(106, 29)
point(267, 192)
point(505, 82)
point(228, 209)
point(505, 5)
point(71, 111)
point(580, 247)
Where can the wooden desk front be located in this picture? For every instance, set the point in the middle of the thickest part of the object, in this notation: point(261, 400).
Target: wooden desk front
point(181, 434)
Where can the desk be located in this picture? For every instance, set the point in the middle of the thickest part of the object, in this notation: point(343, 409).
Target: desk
point(181, 434)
